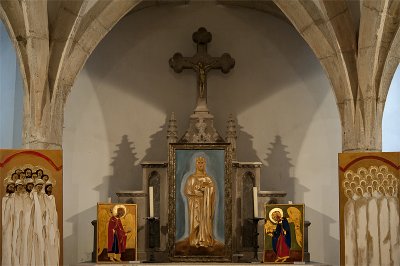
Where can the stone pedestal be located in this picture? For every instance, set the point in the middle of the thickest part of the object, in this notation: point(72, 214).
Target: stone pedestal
point(270, 197)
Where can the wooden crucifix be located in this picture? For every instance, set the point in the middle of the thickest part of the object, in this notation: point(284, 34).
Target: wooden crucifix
point(201, 63)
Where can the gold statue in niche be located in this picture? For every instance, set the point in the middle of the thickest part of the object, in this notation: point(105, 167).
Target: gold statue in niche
point(200, 192)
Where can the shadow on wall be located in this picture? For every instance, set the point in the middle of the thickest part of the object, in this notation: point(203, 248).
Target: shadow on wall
point(81, 229)
point(123, 177)
point(319, 237)
point(157, 150)
point(277, 175)
point(244, 147)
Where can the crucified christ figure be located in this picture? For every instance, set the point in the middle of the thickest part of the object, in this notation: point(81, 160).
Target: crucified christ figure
point(202, 70)
point(201, 63)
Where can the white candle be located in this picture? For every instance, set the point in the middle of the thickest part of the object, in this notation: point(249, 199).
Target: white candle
point(151, 201)
point(255, 202)
point(109, 199)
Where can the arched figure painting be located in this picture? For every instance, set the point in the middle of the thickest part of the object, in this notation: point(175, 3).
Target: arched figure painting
point(116, 232)
point(200, 220)
point(31, 207)
point(283, 233)
point(369, 208)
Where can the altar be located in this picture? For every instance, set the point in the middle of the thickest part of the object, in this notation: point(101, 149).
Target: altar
point(107, 155)
point(209, 264)
point(203, 205)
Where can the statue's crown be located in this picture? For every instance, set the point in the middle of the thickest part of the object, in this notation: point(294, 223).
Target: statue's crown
point(200, 159)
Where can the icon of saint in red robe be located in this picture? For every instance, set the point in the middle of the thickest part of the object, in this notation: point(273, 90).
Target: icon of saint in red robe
point(116, 234)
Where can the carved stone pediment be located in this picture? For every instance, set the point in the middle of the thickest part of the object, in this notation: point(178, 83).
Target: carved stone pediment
point(201, 130)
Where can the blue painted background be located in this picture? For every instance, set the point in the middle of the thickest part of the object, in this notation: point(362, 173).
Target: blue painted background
point(186, 166)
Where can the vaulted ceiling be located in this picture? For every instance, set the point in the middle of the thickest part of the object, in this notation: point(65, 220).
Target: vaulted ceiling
point(357, 44)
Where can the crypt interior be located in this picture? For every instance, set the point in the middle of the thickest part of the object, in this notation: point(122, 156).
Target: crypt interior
point(312, 79)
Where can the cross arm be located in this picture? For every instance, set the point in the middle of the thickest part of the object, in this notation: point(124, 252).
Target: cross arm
point(178, 63)
point(225, 63)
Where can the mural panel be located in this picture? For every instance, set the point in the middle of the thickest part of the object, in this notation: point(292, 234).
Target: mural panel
point(369, 208)
point(31, 207)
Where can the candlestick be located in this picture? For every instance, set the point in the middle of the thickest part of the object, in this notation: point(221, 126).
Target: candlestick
point(255, 221)
point(152, 223)
point(255, 201)
point(151, 202)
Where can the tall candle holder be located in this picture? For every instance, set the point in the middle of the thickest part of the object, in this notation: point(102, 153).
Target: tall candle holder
point(255, 221)
point(151, 223)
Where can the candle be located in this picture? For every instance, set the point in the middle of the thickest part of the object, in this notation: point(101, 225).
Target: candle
point(109, 199)
point(255, 203)
point(151, 201)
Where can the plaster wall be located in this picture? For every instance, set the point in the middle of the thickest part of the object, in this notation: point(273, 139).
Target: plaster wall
point(116, 114)
point(11, 93)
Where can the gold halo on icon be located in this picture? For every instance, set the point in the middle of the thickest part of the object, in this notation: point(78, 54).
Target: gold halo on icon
point(115, 209)
point(272, 211)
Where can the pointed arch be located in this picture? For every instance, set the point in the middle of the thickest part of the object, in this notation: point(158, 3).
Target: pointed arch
point(11, 15)
point(322, 28)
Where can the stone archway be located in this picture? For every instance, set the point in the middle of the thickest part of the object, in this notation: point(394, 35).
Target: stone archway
point(360, 69)
point(51, 55)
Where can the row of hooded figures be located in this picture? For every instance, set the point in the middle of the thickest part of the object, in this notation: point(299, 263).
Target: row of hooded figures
point(372, 233)
point(29, 219)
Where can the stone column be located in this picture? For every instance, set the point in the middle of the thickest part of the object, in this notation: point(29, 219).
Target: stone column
point(362, 127)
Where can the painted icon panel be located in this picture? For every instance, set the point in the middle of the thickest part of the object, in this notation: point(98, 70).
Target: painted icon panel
point(200, 219)
point(369, 208)
point(116, 233)
point(284, 233)
point(31, 207)
point(200, 208)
